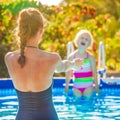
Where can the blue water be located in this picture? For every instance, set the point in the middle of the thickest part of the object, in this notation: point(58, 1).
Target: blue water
point(105, 106)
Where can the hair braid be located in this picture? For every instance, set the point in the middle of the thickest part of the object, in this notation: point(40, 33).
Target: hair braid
point(22, 58)
point(29, 22)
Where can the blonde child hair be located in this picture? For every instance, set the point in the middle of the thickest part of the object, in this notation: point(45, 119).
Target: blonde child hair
point(77, 37)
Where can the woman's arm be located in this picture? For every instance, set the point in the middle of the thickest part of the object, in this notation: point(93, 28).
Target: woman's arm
point(67, 65)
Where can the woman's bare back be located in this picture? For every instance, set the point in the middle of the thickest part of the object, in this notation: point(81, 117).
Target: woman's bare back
point(38, 71)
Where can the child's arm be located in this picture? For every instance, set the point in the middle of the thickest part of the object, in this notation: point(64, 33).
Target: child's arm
point(94, 70)
point(68, 76)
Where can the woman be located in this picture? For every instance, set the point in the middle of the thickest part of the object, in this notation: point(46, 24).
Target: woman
point(32, 69)
point(84, 78)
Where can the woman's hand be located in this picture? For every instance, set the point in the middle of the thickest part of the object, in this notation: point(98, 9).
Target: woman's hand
point(67, 65)
point(78, 63)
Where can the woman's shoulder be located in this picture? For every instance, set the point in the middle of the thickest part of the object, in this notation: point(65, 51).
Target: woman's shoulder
point(52, 55)
point(56, 56)
point(10, 55)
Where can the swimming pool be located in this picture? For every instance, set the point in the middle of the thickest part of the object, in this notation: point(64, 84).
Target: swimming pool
point(105, 106)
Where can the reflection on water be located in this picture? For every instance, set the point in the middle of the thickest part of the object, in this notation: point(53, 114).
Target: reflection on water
point(105, 106)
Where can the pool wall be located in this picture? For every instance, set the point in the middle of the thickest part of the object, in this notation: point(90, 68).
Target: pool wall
point(6, 83)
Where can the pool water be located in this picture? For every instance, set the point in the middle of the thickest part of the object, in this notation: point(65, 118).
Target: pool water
point(105, 106)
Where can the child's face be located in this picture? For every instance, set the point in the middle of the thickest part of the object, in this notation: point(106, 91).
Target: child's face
point(84, 41)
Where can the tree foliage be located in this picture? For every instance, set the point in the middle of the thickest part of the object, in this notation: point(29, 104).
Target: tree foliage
point(63, 22)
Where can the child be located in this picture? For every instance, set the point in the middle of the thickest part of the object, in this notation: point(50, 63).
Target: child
point(86, 76)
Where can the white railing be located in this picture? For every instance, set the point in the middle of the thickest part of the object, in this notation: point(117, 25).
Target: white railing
point(101, 61)
point(70, 48)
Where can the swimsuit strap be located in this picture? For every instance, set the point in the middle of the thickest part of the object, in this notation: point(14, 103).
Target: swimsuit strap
point(87, 56)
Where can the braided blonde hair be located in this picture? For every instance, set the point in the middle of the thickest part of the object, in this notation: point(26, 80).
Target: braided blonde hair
point(30, 20)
